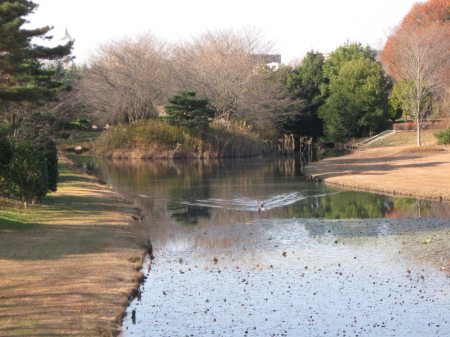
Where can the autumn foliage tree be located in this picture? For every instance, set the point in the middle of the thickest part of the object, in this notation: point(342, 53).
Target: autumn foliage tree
point(417, 56)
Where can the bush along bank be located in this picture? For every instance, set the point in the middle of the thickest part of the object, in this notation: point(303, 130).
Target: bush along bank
point(28, 170)
point(155, 139)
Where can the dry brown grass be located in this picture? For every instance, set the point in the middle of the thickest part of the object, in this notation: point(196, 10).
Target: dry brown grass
point(398, 170)
point(68, 266)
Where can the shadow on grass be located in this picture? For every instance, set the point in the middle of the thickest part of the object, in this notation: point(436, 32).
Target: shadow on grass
point(55, 241)
point(70, 178)
point(7, 225)
point(63, 225)
point(366, 166)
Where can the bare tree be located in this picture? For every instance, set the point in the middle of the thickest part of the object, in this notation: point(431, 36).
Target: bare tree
point(266, 101)
point(419, 57)
point(128, 79)
point(221, 65)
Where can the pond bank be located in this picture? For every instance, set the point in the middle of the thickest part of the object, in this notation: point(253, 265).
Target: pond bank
point(69, 265)
point(402, 170)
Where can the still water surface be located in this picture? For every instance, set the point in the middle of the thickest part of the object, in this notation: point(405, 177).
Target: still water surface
point(315, 260)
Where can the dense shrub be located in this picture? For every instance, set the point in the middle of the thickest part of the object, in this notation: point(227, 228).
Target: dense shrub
point(29, 169)
point(28, 173)
point(236, 139)
point(6, 154)
point(51, 157)
point(443, 136)
point(142, 134)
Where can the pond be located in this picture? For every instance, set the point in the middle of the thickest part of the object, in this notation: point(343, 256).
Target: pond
point(314, 260)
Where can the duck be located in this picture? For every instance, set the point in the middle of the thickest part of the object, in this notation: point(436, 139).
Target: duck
point(137, 217)
point(261, 207)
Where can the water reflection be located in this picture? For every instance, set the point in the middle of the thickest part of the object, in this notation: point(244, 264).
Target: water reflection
point(223, 268)
point(178, 198)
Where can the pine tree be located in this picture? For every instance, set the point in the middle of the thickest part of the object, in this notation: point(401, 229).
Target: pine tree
point(23, 77)
point(189, 111)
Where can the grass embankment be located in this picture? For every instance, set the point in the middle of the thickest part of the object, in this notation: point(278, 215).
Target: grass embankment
point(154, 139)
point(407, 138)
point(392, 165)
point(68, 265)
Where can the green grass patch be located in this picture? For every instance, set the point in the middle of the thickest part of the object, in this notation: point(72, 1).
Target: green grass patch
point(12, 220)
point(77, 137)
point(407, 138)
point(41, 231)
point(70, 177)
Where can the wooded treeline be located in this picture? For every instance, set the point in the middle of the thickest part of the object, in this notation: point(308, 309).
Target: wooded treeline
point(353, 92)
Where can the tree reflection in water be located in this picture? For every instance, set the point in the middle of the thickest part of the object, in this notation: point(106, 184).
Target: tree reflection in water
point(175, 196)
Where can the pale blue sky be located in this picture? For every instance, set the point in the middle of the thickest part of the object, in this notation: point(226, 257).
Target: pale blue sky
point(296, 26)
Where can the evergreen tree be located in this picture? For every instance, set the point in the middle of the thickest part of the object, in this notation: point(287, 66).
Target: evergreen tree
point(6, 154)
point(356, 93)
point(189, 111)
point(345, 53)
point(303, 84)
point(358, 101)
point(23, 78)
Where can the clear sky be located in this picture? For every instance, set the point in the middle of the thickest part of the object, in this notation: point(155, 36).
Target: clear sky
point(296, 26)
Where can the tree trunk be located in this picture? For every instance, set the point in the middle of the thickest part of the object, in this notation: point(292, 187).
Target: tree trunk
point(419, 141)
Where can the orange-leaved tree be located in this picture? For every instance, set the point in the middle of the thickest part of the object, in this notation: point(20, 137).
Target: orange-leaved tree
point(417, 56)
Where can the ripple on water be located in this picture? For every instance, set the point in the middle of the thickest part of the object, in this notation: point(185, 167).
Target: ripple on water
point(303, 278)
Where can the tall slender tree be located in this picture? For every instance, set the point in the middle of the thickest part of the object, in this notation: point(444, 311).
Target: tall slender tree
point(417, 56)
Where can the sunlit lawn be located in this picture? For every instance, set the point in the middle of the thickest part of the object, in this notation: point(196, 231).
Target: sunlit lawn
point(68, 264)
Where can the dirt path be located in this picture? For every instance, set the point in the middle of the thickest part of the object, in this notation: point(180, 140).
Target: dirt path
point(69, 265)
point(403, 170)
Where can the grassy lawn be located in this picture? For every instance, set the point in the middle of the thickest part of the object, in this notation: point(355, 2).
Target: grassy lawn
point(407, 138)
point(392, 165)
point(68, 265)
point(82, 138)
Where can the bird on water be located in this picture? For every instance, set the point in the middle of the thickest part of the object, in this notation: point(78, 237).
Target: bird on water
point(261, 207)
